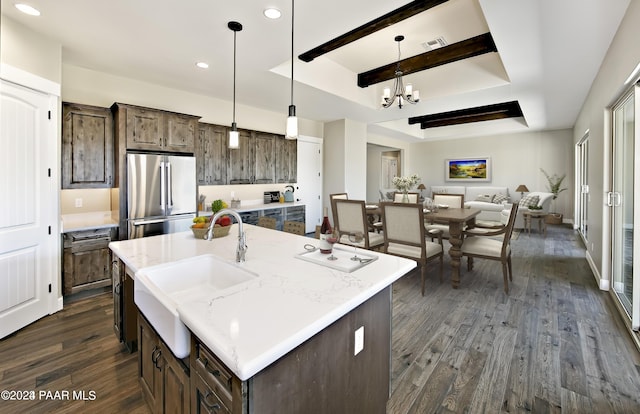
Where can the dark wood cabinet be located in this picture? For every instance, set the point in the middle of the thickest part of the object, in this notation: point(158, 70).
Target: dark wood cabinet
point(211, 154)
point(86, 260)
point(149, 129)
point(240, 160)
point(87, 147)
point(164, 379)
point(264, 162)
point(286, 165)
point(125, 312)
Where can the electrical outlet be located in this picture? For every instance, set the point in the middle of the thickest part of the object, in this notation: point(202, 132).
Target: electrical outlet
point(78, 202)
point(359, 341)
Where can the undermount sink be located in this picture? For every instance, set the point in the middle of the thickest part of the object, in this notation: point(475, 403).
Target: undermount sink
point(159, 290)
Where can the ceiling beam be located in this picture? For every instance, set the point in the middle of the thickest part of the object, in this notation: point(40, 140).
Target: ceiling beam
point(477, 45)
point(464, 116)
point(391, 18)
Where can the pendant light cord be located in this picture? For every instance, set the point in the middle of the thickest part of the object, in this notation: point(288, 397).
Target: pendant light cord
point(234, 76)
point(292, 17)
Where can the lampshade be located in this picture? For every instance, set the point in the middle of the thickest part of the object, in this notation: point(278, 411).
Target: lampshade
point(234, 137)
point(422, 187)
point(522, 189)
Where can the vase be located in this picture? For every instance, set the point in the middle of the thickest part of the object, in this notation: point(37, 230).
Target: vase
point(405, 197)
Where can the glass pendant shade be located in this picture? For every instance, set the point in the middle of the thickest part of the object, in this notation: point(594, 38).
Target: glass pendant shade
point(234, 137)
point(292, 124)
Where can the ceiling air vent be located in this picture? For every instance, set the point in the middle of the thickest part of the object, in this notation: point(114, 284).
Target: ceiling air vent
point(436, 43)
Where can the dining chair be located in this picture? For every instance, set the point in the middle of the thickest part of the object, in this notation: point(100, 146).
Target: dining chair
point(482, 244)
point(267, 222)
point(295, 227)
point(398, 195)
point(336, 196)
point(405, 235)
point(449, 200)
point(350, 218)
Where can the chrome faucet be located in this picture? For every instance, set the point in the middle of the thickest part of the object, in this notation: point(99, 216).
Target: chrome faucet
point(241, 249)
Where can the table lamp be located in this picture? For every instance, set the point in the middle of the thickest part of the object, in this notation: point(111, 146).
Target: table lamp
point(522, 189)
point(421, 187)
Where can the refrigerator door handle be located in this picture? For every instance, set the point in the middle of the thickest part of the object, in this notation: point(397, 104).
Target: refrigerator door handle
point(169, 186)
point(163, 187)
point(144, 222)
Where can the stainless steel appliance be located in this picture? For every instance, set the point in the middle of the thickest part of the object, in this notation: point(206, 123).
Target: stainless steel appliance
point(161, 194)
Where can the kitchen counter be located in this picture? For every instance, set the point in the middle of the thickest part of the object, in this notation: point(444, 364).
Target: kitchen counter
point(257, 207)
point(88, 221)
point(256, 323)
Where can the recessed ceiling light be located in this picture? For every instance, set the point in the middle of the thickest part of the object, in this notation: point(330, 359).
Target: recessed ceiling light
point(272, 13)
point(202, 65)
point(26, 9)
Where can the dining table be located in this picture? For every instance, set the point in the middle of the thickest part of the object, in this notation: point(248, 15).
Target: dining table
point(456, 218)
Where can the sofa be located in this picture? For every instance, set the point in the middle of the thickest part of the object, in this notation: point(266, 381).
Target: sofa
point(495, 202)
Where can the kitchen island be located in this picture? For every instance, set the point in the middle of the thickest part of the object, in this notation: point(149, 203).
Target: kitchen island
point(288, 336)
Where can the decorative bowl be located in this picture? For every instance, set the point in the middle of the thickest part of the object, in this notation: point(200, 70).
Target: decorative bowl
point(200, 233)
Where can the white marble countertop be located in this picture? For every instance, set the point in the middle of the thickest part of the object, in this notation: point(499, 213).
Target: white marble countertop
point(258, 206)
point(88, 221)
point(289, 302)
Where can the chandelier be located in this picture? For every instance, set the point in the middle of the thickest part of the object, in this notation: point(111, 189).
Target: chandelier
point(401, 93)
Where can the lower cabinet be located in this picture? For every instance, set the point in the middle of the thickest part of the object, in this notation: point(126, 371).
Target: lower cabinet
point(164, 379)
point(86, 260)
point(125, 312)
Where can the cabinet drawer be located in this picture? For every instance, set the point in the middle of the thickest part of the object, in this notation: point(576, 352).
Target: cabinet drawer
point(205, 400)
point(215, 374)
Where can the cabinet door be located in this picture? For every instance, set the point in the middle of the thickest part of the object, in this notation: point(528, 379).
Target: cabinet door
point(211, 155)
point(286, 160)
point(87, 147)
point(84, 267)
point(265, 161)
point(116, 288)
point(176, 396)
point(149, 364)
point(144, 129)
point(179, 132)
point(240, 160)
point(204, 400)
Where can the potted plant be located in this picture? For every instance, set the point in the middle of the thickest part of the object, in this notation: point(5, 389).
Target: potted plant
point(554, 187)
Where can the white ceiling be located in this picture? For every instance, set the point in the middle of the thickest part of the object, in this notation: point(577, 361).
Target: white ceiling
point(549, 52)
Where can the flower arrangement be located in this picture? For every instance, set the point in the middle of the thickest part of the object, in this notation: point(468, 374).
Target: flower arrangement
point(405, 184)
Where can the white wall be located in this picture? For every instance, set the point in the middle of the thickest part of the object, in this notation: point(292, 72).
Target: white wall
point(621, 59)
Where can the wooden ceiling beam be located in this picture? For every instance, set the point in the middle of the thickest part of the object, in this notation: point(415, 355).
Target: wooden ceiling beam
point(389, 19)
point(464, 116)
point(464, 49)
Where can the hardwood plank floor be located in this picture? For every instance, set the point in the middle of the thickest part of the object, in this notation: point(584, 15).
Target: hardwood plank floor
point(553, 345)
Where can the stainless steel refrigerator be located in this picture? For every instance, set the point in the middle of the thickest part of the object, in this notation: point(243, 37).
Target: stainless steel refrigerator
point(161, 194)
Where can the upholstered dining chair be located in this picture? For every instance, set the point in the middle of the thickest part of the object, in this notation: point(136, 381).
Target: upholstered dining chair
point(450, 200)
point(295, 227)
point(404, 235)
point(267, 222)
point(413, 197)
point(351, 217)
point(336, 196)
point(479, 243)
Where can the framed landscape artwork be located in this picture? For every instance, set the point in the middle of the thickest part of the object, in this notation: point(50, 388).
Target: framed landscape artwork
point(468, 169)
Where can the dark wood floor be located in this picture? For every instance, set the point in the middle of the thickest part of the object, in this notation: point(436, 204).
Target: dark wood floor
point(554, 344)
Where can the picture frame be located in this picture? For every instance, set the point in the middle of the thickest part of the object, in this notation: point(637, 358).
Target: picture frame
point(476, 169)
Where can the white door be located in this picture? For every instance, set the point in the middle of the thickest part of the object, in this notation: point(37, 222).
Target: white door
point(309, 186)
point(28, 210)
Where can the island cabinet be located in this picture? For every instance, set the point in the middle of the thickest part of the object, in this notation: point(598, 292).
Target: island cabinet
point(286, 160)
point(86, 260)
point(211, 154)
point(149, 129)
point(164, 379)
point(325, 374)
point(124, 309)
point(87, 146)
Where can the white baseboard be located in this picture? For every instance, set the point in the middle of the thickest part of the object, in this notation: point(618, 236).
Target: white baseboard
point(603, 284)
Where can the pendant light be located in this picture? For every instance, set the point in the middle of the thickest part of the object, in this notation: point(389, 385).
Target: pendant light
point(234, 136)
point(292, 120)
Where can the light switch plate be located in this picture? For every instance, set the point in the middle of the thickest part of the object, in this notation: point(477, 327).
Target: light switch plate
point(359, 341)
point(78, 202)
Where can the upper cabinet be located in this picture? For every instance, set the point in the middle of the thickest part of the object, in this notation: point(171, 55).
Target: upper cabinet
point(154, 130)
point(87, 147)
point(240, 161)
point(265, 158)
point(286, 160)
point(211, 155)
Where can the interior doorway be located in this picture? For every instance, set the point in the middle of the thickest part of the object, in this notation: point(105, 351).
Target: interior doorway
point(582, 188)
